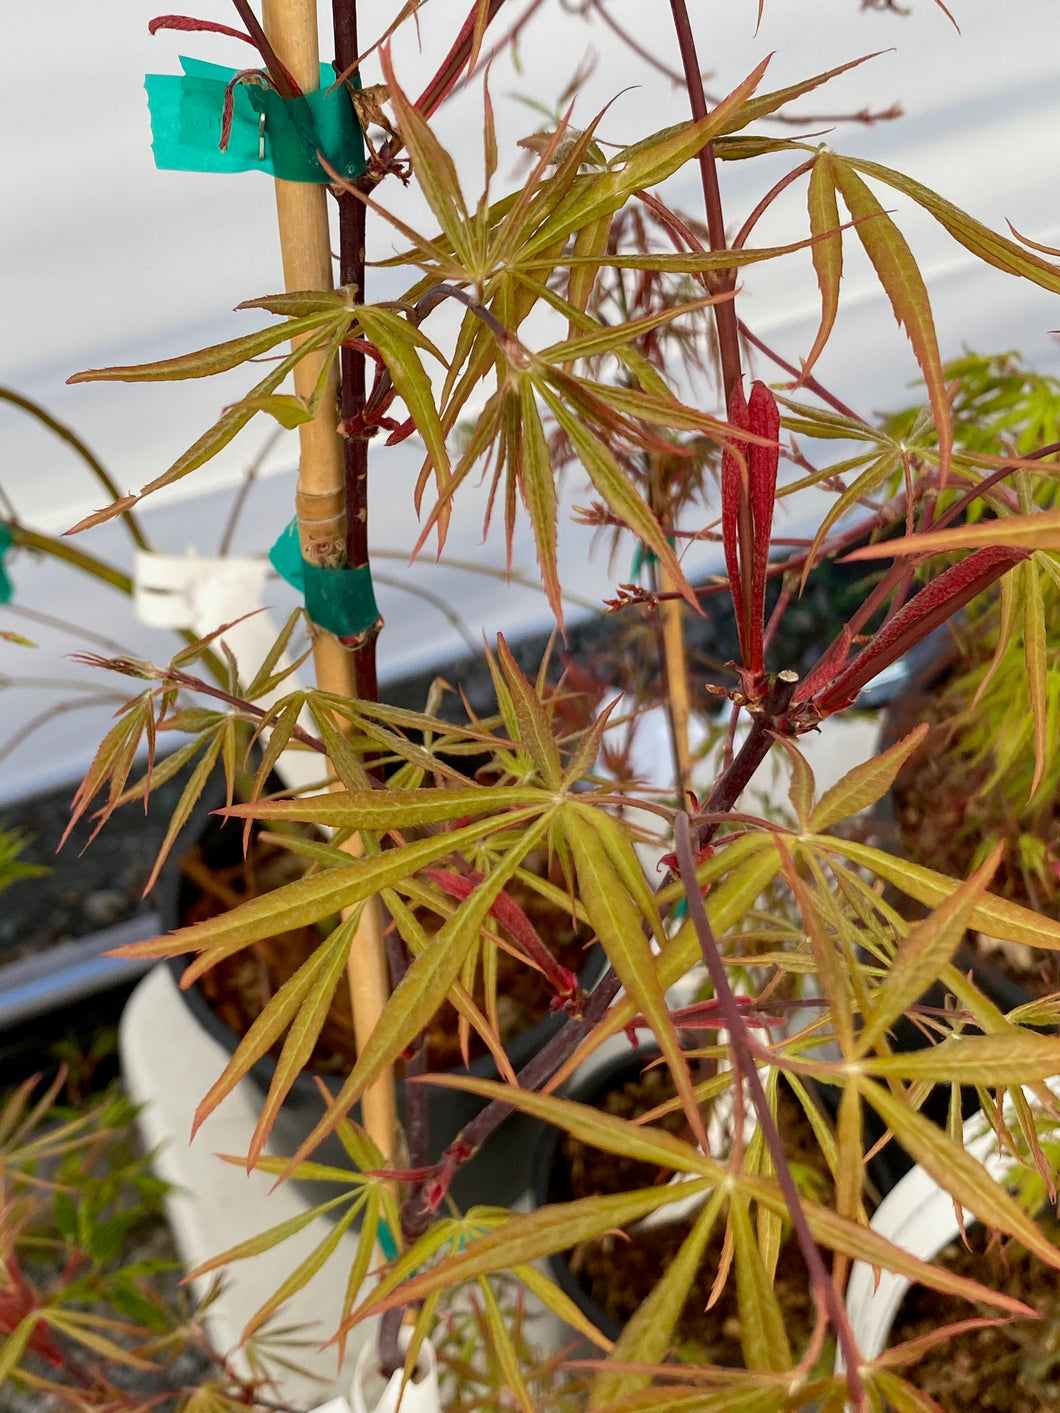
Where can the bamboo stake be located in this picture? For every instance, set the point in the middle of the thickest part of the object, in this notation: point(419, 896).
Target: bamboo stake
point(678, 699)
point(674, 650)
point(305, 242)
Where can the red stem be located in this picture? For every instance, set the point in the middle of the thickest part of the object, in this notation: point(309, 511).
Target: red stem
point(742, 1050)
point(353, 374)
point(282, 81)
point(724, 312)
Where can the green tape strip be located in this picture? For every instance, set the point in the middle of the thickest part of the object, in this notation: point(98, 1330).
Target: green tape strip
point(339, 600)
point(187, 111)
point(6, 542)
point(642, 555)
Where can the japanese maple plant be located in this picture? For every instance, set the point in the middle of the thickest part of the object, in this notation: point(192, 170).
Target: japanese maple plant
point(633, 374)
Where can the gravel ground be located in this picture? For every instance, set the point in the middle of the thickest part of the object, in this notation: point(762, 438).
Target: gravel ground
point(90, 886)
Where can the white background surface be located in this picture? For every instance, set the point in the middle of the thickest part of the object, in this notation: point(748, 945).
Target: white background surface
point(103, 259)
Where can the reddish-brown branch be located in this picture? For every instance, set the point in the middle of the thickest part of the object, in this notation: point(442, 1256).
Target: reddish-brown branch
point(282, 81)
point(809, 383)
point(725, 312)
point(743, 1051)
point(353, 374)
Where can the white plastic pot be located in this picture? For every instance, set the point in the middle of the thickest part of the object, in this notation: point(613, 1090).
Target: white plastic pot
point(373, 1393)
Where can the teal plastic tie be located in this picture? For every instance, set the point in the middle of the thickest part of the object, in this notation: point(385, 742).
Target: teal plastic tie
point(340, 600)
point(187, 112)
point(386, 1241)
point(642, 555)
point(6, 588)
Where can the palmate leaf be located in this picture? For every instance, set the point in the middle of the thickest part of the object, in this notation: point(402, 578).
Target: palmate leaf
point(991, 1061)
point(424, 986)
point(642, 165)
point(924, 952)
point(620, 926)
point(996, 916)
point(231, 421)
point(957, 1172)
point(738, 873)
point(556, 1228)
point(901, 279)
point(434, 170)
point(864, 784)
point(986, 244)
point(648, 1334)
point(510, 430)
point(763, 1337)
point(218, 358)
point(308, 900)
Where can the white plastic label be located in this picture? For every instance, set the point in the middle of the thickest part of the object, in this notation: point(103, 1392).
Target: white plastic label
point(188, 591)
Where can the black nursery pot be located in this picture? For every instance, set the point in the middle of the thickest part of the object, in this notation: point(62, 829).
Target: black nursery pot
point(552, 1177)
point(499, 1172)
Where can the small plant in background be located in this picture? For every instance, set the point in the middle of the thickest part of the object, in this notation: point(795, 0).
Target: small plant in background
point(12, 865)
point(485, 1342)
point(91, 1314)
point(617, 379)
point(1005, 769)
